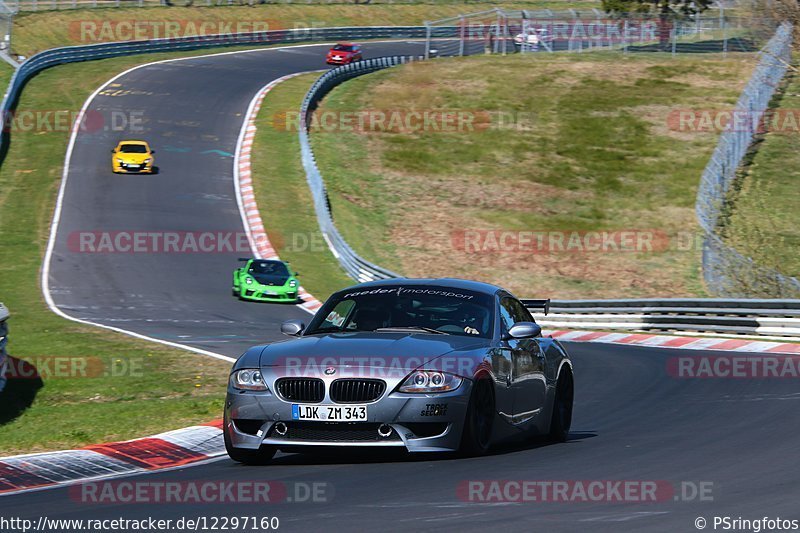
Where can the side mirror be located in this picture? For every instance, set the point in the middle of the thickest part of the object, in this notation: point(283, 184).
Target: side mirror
point(113, 150)
point(293, 328)
point(524, 330)
point(297, 273)
point(152, 151)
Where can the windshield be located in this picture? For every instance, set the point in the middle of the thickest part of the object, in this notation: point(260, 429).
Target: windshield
point(423, 308)
point(271, 268)
point(343, 48)
point(133, 149)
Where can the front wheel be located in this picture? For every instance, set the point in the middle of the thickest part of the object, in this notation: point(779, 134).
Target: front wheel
point(561, 417)
point(477, 436)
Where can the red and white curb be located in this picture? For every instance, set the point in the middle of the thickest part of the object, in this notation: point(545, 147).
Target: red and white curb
point(683, 343)
point(243, 179)
point(22, 473)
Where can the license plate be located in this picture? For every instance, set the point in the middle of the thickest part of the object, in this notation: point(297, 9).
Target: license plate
point(332, 413)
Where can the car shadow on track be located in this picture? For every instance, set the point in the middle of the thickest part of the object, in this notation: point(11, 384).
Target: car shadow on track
point(20, 390)
point(326, 456)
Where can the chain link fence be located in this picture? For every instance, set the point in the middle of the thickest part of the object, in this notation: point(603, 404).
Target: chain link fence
point(503, 31)
point(51, 5)
point(726, 271)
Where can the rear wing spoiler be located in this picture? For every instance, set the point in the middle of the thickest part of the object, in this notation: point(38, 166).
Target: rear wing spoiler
point(543, 305)
point(245, 258)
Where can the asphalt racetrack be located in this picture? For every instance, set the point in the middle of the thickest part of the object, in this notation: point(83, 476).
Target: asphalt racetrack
point(714, 447)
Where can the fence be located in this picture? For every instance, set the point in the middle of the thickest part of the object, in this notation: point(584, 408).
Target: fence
point(3, 342)
point(727, 272)
point(503, 31)
point(49, 5)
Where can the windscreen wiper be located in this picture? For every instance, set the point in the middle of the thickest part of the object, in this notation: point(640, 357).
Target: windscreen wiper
point(413, 328)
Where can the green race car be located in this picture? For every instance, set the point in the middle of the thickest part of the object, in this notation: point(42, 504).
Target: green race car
point(265, 280)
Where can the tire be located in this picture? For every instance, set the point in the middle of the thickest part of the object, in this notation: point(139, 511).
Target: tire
point(261, 456)
point(235, 291)
point(561, 417)
point(476, 438)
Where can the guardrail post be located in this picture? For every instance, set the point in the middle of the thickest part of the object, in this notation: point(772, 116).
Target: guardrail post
point(462, 36)
point(427, 40)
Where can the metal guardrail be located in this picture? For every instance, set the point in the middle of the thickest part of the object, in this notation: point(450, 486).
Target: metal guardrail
point(771, 318)
point(3, 342)
point(357, 267)
point(726, 271)
point(72, 54)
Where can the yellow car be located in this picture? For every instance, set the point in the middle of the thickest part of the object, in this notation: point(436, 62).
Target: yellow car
point(132, 157)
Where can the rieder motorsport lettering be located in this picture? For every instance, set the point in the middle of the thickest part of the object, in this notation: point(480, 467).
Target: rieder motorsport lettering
point(404, 290)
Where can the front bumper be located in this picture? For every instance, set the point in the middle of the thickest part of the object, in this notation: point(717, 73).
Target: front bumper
point(340, 61)
point(418, 422)
point(268, 294)
point(132, 169)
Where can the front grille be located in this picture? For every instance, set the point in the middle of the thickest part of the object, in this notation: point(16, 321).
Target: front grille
point(311, 390)
point(333, 432)
point(357, 390)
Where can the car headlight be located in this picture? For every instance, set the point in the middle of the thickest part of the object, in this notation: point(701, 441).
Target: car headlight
point(248, 280)
point(248, 379)
point(147, 160)
point(293, 283)
point(430, 381)
point(120, 161)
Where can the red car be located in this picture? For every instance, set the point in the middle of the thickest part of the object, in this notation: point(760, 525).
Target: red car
point(344, 54)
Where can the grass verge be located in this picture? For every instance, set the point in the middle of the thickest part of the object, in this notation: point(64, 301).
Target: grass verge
point(34, 32)
point(762, 223)
point(593, 149)
point(150, 388)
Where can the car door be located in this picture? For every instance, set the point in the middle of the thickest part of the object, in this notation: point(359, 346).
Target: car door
point(528, 383)
point(501, 356)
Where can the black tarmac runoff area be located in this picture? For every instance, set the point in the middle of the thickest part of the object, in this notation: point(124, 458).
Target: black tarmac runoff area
point(648, 451)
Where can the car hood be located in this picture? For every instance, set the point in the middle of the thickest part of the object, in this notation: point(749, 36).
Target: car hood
point(402, 352)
